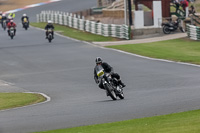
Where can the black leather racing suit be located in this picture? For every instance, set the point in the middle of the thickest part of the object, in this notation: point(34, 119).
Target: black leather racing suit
point(49, 26)
point(22, 19)
point(3, 18)
point(108, 69)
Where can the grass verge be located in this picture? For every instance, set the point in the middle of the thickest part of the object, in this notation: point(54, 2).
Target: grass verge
point(185, 122)
point(180, 50)
point(76, 34)
point(12, 100)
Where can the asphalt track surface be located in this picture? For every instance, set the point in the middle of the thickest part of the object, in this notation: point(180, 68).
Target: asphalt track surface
point(63, 70)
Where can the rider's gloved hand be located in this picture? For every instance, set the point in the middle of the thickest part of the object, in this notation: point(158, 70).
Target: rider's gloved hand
point(96, 80)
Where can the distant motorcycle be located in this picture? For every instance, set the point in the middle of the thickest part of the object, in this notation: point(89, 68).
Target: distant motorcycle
point(172, 26)
point(113, 89)
point(4, 24)
point(25, 24)
point(12, 32)
point(50, 35)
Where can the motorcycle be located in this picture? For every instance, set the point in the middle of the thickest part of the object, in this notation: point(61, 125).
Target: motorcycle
point(0, 18)
point(4, 25)
point(172, 26)
point(50, 34)
point(25, 24)
point(12, 32)
point(111, 85)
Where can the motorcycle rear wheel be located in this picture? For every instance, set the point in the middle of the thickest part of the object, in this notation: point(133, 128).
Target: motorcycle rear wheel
point(166, 30)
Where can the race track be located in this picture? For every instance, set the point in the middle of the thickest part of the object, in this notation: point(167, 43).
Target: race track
point(63, 70)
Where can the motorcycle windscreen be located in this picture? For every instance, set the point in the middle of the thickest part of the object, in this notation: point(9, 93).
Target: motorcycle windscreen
point(50, 29)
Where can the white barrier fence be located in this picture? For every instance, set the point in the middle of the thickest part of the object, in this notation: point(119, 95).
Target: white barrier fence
point(68, 19)
point(193, 32)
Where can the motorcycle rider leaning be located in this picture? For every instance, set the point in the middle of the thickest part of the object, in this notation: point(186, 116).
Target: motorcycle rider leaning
point(25, 18)
point(11, 24)
point(49, 26)
point(108, 69)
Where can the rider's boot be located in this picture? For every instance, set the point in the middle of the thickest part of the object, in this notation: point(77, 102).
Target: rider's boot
point(121, 83)
point(107, 93)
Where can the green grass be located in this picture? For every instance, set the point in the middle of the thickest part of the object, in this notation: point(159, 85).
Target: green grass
point(180, 50)
point(185, 122)
point(12, 100)
point(76, 34)
point(197, 7)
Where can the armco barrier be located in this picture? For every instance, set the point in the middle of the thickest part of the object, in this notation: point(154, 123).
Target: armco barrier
point(193, 32)
point(68, 19)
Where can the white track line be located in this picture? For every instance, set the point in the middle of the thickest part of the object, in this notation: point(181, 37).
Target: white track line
point(149, 58)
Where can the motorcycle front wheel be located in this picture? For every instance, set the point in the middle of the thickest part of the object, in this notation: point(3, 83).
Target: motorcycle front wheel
point(4, 27)
point(49, 40)
point(110, 91)
point(11, 36)
point(166, 30)
point(121, 95)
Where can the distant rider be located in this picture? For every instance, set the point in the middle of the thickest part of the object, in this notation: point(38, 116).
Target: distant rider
point(108, 69)
point(3, 18)
point(11, 24)
point(24, 19)
point(1, 13)
point(9, 19)
point(49, 26)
